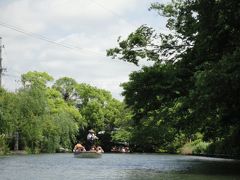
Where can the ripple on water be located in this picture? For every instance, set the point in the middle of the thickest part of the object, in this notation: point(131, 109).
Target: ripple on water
point(117, 166)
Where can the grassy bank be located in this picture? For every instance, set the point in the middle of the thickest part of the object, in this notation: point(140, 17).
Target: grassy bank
point(220, 148)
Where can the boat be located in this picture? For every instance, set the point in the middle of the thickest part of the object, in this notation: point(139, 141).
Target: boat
point(87, 154)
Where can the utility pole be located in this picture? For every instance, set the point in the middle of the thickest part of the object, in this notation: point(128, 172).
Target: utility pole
point(1, 69)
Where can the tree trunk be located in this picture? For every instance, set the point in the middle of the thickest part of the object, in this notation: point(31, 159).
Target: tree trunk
point(16, 141)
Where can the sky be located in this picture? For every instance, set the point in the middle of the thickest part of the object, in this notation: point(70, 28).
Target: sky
point(69, 38)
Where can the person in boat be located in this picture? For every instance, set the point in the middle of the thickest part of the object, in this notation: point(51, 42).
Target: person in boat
point(91, 138)
point(99, 149)
point(93, 149)
point(123, 150)
point(79, 148)
point(114, 149)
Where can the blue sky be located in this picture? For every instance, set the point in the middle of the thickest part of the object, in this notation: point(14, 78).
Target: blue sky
point(90, 25)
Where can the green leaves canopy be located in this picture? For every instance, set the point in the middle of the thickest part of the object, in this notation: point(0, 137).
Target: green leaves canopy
point(48, 119)
point(194, 83)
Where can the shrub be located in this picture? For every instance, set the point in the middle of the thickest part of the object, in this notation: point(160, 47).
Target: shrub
point(195, 147)
point(3, 145)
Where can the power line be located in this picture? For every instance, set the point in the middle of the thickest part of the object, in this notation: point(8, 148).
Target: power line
point(44, 38)
point(112, 12)
point(10, 75)
point(119, 16)
point(35, 35)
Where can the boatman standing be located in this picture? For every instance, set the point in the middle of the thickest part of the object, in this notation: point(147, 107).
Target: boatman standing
point(91, 137)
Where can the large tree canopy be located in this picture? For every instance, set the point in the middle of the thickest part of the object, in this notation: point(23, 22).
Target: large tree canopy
point(193, 85)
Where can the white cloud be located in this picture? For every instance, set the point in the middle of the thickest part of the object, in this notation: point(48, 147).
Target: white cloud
point(92, 26)
point(20, 13)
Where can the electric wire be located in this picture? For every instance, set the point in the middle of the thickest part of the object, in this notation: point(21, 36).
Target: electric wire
point(44, 38)
point(121, 17)
point(112, 12)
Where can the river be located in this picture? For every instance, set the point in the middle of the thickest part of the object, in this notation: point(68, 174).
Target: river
point(117, 166)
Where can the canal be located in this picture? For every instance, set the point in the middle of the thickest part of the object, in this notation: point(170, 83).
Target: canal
point(117, 166)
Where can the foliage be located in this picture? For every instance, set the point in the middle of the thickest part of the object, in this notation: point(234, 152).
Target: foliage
point(229, 145)
point(195, 145)
point(38, 118)
point(66, 86)
point(35, 79)
point(3, 144)
point(8, 112)
point(101, 112)
point(193, 85)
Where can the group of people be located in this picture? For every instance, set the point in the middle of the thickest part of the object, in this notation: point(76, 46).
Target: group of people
point(121, 149)
point(90, 145)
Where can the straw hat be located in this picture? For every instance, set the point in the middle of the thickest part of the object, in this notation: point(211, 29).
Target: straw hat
point(79, 145)
point(91, 131)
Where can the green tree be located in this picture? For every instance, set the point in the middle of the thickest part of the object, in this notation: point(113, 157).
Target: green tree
point(8, 112)
point(67, 87)
point(101, 112)
point(65, 121)
point(46, 121)
point(36, 79)
point(200, 59)
point(8, 116)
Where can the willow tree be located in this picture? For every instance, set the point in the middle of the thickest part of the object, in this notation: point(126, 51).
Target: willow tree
point(46, 121)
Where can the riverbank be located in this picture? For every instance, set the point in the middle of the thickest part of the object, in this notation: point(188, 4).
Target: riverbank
point(19, 152)
point(225, 156)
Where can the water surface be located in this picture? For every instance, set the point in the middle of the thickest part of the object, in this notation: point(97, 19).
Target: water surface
point(117, 166)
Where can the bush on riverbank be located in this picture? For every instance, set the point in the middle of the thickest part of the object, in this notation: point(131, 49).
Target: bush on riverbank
point(195, 147)
point(228, 146)
point(3, 146)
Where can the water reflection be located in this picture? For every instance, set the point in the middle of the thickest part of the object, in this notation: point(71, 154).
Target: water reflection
point(117, 166)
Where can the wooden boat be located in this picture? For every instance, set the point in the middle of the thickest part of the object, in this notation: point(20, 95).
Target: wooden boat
point(87, 154)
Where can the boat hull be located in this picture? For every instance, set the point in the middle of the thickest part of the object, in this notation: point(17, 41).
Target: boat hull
point(87, 154)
